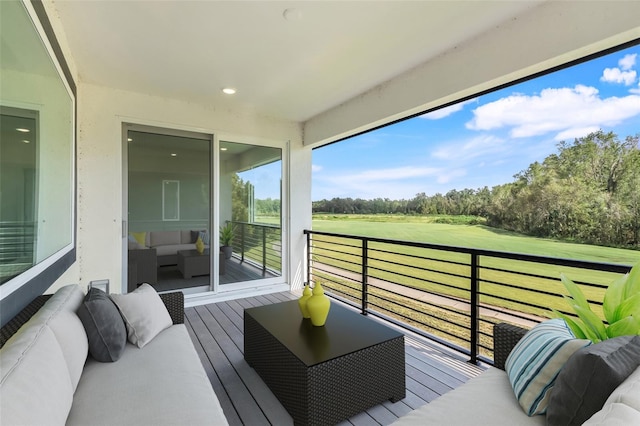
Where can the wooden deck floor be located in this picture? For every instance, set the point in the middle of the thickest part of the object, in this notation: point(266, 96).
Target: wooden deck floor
point(217, 333)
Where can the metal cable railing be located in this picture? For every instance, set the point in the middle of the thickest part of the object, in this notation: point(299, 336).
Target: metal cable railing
point(260, 244)
point(453, 295)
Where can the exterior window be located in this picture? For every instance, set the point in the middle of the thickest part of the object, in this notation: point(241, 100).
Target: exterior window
point(37, 171)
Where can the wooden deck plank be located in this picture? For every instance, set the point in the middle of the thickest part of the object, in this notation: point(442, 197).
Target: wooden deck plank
point(225, 402)
point(218, 335)
point(224, 371)
point(214, 317)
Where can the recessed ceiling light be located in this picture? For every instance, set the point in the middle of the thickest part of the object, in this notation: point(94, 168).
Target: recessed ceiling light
point(129, 140)
point(174, 155)
point(223, 149)
point(25, 141)
point(20, 129)
point(229, 90)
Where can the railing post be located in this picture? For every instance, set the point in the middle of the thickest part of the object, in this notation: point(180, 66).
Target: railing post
point(475, 308)
point(264, 250)
point(365, 289)
point(308, 258)
point(242, 242)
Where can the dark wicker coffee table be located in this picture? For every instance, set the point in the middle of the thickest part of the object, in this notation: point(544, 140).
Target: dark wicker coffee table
point(323, 375)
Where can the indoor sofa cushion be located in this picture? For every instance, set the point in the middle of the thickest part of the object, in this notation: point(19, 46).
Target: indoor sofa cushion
point(536, 360)
point(484, 400)
point(173, 249)
point(104, 325)
point(589, 377)
point(162, 384)
point(35, 385)
point(144, 314)
point(163, 238)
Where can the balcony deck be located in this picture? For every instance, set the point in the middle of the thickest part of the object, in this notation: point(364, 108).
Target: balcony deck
point(217, 334)
point(170, 279)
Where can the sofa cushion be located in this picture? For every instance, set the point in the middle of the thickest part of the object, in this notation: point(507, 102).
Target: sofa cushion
point(628, 392)
point(144, 314)
point(185, 237)
point(162, 238)
point(104, 325)
point(536, 360)
point(59, 314)
point(615, 414)
point(484, 400)
point(35, 385)
point(173, 249)
point(162, 384)
point(589, 377)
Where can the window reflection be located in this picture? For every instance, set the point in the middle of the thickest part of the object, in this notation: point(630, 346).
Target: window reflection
point(250, 201)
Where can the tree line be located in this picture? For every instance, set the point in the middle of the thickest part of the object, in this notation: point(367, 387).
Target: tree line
point(588, 192)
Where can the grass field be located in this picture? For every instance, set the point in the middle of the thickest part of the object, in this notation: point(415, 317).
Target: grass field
point(426, 229)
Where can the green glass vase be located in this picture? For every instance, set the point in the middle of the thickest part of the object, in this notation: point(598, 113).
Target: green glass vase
point(302, 301)
point(199, 245)
point(318, 306)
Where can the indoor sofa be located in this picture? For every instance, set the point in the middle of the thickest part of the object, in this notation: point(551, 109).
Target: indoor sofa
point(167, 243)
point(489, 399)
point(49, 378)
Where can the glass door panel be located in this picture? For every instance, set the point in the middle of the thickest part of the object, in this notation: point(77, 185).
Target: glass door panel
point(169, 210)
point(250, 210)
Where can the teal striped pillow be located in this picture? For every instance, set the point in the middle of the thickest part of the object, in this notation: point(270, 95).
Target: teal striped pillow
point(536, 360)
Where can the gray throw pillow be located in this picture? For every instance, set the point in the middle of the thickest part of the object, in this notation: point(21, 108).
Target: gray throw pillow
point(589, 377)
point(104, 326)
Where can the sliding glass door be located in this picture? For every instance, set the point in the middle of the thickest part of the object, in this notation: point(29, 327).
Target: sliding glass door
point(175, 237)
point(169, 209)
point(250, 212)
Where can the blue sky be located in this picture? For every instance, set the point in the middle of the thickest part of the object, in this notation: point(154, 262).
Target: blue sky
point(486, 140)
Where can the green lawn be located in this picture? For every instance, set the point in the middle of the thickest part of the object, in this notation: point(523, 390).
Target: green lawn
point(422, 229)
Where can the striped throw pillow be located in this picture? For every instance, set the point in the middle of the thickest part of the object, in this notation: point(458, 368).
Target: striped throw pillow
point(536, 360)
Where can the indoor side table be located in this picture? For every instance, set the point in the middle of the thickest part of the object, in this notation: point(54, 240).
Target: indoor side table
point(323, 375)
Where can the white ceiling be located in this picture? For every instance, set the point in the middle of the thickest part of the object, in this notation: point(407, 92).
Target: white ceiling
point(292, 69)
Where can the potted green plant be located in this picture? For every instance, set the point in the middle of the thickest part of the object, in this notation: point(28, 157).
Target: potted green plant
point(227, 233)
point(621, 307)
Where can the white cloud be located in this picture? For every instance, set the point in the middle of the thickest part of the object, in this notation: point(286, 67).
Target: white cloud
point(398, 182)
point(554, 110)
point(447, 111)
point(315, 168)
point(468, 149)
point(636, 90)
point(628, 62)
point(615, 75)
point(449, 175)
point(575, 133)
point(397, 173)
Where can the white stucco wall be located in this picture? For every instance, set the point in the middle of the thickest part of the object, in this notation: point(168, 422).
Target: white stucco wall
point(101, 112)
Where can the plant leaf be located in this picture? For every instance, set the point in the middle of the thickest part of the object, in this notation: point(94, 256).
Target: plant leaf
point(573, 325)
point(629, 307)
point(575, 292)
point(624, 327)
point(633, 282)
point(612, 298)
point(592, 321)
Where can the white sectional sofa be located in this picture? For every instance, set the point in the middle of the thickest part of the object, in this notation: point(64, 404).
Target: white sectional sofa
point(489, 399)
point(48, 378)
